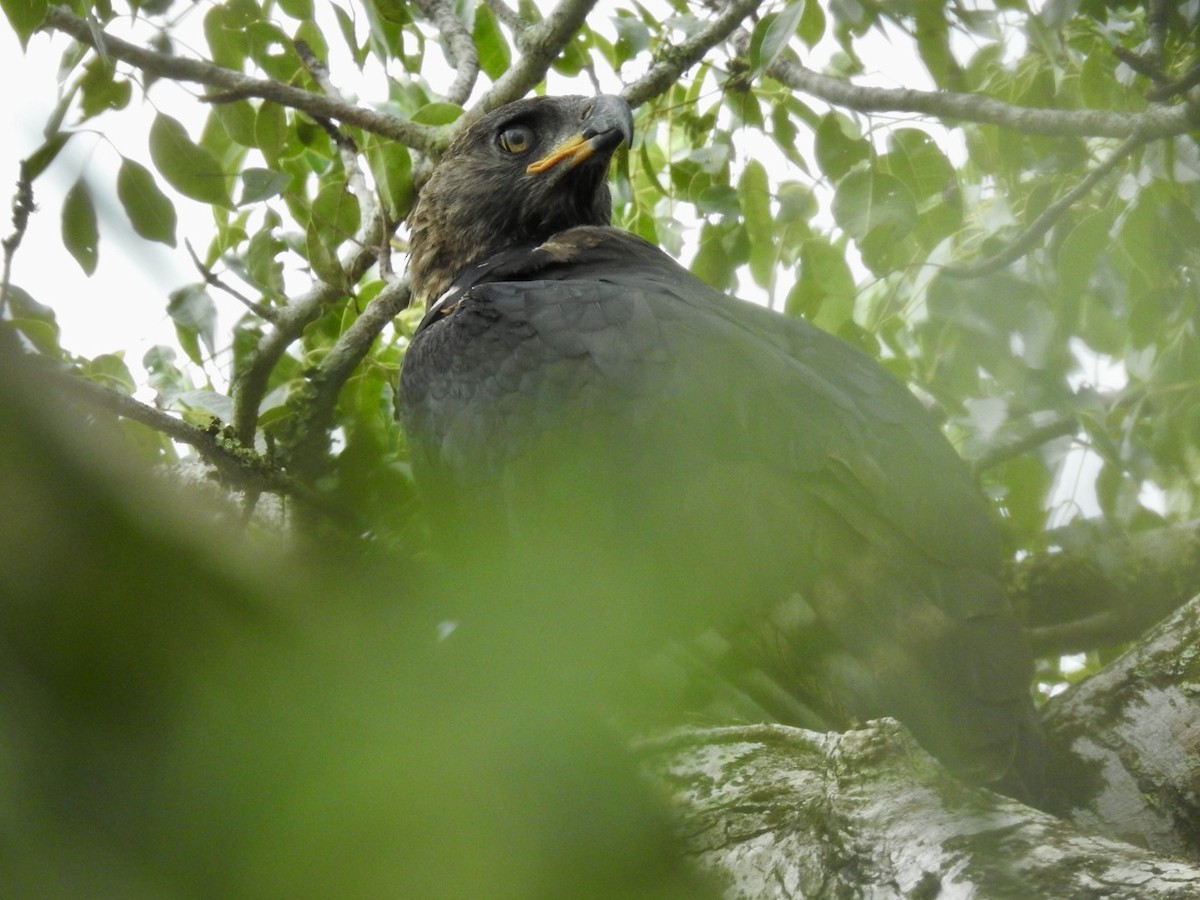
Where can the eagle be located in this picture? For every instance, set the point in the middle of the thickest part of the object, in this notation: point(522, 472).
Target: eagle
point(576, 400)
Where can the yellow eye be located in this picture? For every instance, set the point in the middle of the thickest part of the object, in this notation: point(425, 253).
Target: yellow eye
point(515, 139)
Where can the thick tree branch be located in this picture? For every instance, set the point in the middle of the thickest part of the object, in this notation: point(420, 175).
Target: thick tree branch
point(679, 59)
point(778, 812)
point(949, 106)
point(459, 46)
point(233, 84)
point(1123, 743)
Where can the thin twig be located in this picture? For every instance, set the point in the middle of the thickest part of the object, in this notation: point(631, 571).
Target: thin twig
point(331, 373)
point(348, 151)
point(1175, 88)
point(1060, 426)
point(459, 46)
point(22, 207)
point(509, 17)
point(1037, 229)
point(240, 466)
point(213, 280)
point(678, 59)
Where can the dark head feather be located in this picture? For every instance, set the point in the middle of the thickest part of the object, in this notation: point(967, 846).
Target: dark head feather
point(517, 177)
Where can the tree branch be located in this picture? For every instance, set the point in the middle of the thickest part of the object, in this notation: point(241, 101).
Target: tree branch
point(1012, 446)
point(948, 106)
point(250, 384)
point(22, 208)
point(510, 17)
point(240, 466)
point(426, 139)
point(459, 45)
point(1123, 751)
point(1108, 591)
point(543, 43)
point(211, 278)
point(1037, 229)
point(780, 813)
point(682, 57)
point(331, 373)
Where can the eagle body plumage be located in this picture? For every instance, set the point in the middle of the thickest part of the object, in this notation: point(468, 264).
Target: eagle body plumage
point(574, 389)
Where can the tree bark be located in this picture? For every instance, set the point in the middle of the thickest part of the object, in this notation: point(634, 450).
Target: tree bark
point(1125, 744)
point(777, 812)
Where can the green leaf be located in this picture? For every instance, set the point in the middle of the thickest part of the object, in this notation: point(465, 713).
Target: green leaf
point(300, 10)
point(165, 377)
point(495, 58)
point(755, 194)
point(265, 270)
point(335, 213)
point(224, 29)
point(149, 210)
point(37, 161)
point(100, 90)
point(771, 36)
point(391, 166)
point(916, 159)
point(633, 36)
point(933, 42)
point(346, 27)
point(272, 49)
point(37, 322)
point(438, 113)
point(80, 232)
point(188, 168)
point(824, 293)
point(209, 402)
point(714, 263)
point(867, 200)
point(109, 369)
point(718, 199)
point(1079, 253)
point(839, 146)
point(270, 131)
point(195, 316)
point(323, 258)
point(812, 23)
point(262, 184)
point(24, 16)
point(238, 119)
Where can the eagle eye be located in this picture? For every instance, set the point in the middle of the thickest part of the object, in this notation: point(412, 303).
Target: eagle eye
point(515, 139)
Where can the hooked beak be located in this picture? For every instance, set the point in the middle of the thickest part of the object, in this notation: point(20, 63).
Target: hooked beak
point(607, 123)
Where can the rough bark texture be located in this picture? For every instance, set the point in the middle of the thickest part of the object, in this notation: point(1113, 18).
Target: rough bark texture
point(1125, 744)
point(776, 812)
